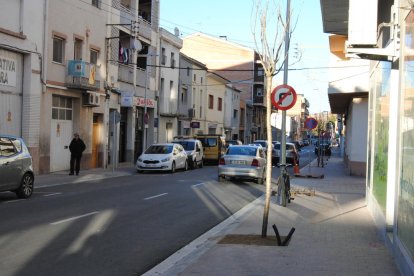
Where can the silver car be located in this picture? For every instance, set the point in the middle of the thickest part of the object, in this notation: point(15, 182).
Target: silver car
point(16, 169)
point(243, 161)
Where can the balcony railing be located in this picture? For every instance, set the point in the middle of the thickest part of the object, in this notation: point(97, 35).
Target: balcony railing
point(82, 75)
point(127, 15)
point(126, 74)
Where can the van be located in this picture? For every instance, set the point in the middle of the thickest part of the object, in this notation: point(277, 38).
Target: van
point(193, 148)
point(214, 146)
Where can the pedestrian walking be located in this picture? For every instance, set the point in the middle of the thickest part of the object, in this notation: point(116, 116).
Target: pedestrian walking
point(76, 147)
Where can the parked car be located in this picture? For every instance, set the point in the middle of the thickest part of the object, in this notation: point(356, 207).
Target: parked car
point(163, 157)
point(292, 154)
point(325, 148)
point(213, 145)
point(264, 144)
point(243, 161)
point(16, 170)
point(194, 150)
point(233, 142)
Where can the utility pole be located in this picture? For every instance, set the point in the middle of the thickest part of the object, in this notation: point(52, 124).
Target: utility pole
point(285, 80)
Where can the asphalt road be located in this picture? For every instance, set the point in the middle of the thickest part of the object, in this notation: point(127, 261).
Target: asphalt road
point(118, 226)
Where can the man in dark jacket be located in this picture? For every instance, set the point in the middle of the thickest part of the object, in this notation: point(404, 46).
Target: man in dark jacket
point(76, 147)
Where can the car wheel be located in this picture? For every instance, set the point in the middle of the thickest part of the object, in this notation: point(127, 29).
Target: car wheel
point(194, 164)
point(26, 186)
point(173, 167)
point(201, 163)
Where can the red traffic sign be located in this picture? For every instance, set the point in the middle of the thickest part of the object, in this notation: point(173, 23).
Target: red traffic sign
point(283, 97)
point(311, 123)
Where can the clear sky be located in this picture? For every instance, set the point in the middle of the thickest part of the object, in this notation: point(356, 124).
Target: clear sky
point(232, 18)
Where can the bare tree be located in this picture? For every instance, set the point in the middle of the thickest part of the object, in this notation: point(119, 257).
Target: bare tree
point(271, 32)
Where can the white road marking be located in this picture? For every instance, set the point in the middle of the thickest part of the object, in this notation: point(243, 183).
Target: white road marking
point(74, 218)
point(53, 194)
point(151, 197)
point(199, 184)
point(16, 200)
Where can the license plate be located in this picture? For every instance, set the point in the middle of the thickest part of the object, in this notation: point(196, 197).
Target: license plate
point(151, 165)
point(238, 162)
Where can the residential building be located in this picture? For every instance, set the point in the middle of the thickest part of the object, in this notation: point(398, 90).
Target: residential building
point(132, 72)
point(22, 72)
point(216, 91)
point(191, 104)
point(74, 98)
point(241, 66)
point(298, 113)
point(169, 56)
point(231, 113)
point(380, 108)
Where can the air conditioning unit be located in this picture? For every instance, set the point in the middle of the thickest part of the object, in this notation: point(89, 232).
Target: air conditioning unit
point(91, 99)
point(191, 112)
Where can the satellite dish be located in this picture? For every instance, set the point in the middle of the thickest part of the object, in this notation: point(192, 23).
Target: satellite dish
point(176, 31)
point(136, 44)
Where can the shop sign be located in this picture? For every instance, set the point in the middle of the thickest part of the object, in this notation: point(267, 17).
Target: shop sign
point(8, 71)
point(139, 101)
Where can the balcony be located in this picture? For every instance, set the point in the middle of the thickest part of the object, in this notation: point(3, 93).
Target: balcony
point(126, 74)
point(82, 75)
point(127, 15)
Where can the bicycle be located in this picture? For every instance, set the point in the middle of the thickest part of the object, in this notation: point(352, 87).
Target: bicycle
point(283, 184)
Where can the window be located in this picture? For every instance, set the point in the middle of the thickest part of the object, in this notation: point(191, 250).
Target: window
point(96, 3)
point(58, 46)
point(188, 71)
point(201, 80)
point(6, 147)
point(77, 49)
point(61, 108)
point(235, 111)
point(172, 61)
point(220, 104)
point(210, 101)
point(184, 95)
point(259, 91)
point(163, 57)
point(194, 78)
point(94, 54)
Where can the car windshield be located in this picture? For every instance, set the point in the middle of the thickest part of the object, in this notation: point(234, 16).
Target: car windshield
point(187, 145)
point(159, 149)
point(251, 151)
point(262, 143)
point(208, 142)
point(288, 147)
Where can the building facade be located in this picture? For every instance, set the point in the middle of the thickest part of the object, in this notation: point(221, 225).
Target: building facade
point(22, 71)
point(241, 66)
point(170, 45)
point(384, 41)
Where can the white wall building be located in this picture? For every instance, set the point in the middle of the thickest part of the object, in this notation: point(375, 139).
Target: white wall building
point(22, 71)
point(169, 55)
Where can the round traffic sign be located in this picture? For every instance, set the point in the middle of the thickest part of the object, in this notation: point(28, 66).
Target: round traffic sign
point(283, 97)
point(311, 123)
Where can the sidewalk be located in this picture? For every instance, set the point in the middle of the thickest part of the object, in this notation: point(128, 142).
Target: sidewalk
point(63, 177)
point(335, 235)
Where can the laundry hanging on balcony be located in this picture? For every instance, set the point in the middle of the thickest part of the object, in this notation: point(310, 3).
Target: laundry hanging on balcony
point(124, 55)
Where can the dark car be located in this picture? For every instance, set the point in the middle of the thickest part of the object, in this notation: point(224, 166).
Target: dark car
point(16, 169)
point(325, 148)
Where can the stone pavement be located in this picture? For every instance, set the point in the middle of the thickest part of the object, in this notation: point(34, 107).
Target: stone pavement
point(335, 235)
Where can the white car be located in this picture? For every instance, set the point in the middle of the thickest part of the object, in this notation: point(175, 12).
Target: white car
point(194, 150)
point(163, 157)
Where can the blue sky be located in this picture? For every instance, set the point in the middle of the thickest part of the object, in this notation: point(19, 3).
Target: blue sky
point(232, 18)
